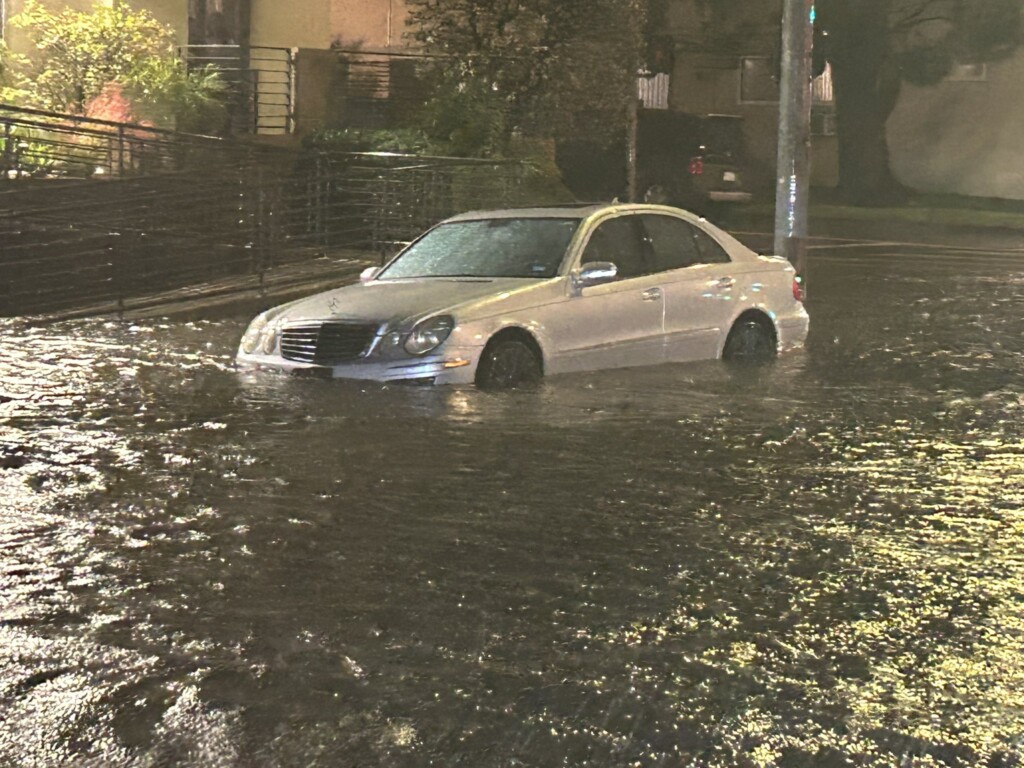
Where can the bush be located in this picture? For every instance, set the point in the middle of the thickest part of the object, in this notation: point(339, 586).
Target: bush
point(77, 54)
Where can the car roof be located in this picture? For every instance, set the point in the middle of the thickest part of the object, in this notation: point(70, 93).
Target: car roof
point(569, 211)
point(583, 211)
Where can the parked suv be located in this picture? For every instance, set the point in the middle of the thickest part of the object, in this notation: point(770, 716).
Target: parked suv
point(682, 159)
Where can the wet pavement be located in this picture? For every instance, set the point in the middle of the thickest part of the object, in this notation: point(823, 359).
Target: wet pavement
point(815, 563)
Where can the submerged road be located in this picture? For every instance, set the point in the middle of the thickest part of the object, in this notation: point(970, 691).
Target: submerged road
point(815, 563)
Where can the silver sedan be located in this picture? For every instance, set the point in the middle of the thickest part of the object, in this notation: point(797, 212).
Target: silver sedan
point(502, 298)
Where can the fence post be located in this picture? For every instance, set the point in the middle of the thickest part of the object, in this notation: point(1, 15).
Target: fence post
point(254, 99)
point(9, 156)
point(120, 150)
point(292, 89)
point(261, 224)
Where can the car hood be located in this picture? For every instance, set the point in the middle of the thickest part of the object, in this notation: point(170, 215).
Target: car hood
point(396, 302)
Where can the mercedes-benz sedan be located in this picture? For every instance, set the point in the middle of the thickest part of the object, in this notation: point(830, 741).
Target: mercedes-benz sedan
point(502, 298)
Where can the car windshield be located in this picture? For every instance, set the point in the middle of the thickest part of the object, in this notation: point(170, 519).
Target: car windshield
point(503, 247)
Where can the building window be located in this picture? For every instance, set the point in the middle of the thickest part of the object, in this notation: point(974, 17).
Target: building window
point(653, 90)
point(968, 73)
point(823, 104)
point(758, 81)
point(821, 88)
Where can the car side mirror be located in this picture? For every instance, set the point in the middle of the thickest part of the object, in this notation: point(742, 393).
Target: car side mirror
point(368, 274)
point(595, 273)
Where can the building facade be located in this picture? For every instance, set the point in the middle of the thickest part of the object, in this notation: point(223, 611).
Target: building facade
point(961, 136)
point(370, 24)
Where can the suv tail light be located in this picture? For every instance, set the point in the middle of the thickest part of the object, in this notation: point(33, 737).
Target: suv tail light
point(798, 288)
point(696, 167)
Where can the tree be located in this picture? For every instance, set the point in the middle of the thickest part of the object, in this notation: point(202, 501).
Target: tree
point(541, 63)
point(78, 54)
point(874, 46)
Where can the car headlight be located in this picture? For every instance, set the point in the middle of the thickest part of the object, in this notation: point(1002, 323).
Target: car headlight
point(429, 334)
point(251, 338)
point(268, 339)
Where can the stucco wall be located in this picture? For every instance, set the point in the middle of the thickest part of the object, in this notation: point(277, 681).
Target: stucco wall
point(370, 24)
point(965, 137)
point(319, 24)
point(291, 24)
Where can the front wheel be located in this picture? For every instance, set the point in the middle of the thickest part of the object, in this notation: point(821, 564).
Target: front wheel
point(508, 365)
point(749, 341)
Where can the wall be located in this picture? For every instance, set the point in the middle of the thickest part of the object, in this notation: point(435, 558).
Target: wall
point(284, 25)
point(964, 137)
point(316, 74)
point(368, 24)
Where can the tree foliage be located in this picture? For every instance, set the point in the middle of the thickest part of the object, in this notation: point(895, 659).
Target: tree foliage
point(537, 63)
point(875, 46)
point(77, 54)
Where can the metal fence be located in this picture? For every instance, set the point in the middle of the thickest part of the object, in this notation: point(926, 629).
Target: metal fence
point(96, 214)
point(380, 90)
point(261, 81)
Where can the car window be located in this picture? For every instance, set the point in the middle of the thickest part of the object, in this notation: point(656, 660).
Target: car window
point(618, 241)
point(499, 247)
point(672, 242)
point(710, 251)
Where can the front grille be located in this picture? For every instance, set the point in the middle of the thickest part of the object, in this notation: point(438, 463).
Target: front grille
point(326, 343)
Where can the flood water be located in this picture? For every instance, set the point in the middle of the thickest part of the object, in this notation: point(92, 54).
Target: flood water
point(815, 563)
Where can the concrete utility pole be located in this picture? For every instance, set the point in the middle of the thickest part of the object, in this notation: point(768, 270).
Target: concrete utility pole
point(632, 116)
point(794, 163)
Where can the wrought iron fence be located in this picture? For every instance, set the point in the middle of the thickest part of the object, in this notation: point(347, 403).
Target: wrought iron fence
point(39, 144)
point(98, 214)
point(380, 90)
point(261, 80)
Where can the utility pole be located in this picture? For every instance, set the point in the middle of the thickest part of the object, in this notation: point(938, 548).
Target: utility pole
point(632, 115)
point(793, 175)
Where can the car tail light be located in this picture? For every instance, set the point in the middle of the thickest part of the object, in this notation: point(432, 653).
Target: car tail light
point(696, 166)
point(798, 288)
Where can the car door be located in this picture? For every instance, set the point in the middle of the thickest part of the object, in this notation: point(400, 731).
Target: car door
point(615, 324)
point(697, 286)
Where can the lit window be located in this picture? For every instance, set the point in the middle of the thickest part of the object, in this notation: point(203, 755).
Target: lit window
point(822, 87)
point(653, 90)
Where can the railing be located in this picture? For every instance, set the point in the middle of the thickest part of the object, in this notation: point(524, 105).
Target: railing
point(380, 90)
point(262, 82)
point(84, 222)
point(36, 143)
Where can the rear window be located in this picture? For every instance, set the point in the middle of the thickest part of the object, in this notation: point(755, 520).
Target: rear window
point(723, 135)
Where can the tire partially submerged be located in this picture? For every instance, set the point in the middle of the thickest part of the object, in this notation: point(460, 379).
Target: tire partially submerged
point(751, 340)
point(508, 364)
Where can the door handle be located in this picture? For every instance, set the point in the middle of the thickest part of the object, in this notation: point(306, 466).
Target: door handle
point(651, 294)
point(726, 282)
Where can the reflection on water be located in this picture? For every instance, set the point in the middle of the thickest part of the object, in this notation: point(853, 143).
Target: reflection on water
point(814, 564)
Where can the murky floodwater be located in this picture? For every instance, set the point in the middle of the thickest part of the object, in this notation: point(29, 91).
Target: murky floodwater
point(820, 563)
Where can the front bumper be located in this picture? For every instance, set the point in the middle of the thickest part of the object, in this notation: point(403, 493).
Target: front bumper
point(455, 366)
